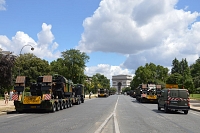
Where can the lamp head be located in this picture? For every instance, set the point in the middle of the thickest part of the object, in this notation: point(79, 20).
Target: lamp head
point(32, 48)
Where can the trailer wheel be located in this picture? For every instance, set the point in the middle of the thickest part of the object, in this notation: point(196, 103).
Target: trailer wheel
point(53, 107)
point(185, 111)
point(65, 105)
point(58, 106)
point(70, 104)
point(159, 108)
point(166, 110)
point(61, 106)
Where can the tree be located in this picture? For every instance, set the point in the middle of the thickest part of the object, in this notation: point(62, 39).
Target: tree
point(74, 62)
point(99, 81)
point(6, 65)
point(195, 72)
point(31, 66)
point(150, 73)
point(175, 66)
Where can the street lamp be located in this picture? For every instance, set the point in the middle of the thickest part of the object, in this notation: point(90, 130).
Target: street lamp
point(32, 48)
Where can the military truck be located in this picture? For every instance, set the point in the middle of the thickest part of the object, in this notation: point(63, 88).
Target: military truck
point(147, 93)
point(174, 99)
point(79, 90)
point(49, 93)
point(103, 92)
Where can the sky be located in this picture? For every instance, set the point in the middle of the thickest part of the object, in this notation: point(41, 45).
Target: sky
point(117, 35)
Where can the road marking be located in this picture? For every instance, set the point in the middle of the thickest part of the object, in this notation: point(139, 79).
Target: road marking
point(195, 113)
point(108, 118)
point(14, 115)
point(115, 119)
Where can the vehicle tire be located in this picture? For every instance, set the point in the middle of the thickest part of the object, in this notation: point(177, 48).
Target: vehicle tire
point(58, 106)
point(82, 101)
point(70, 104)
point(185, 111)
point(159, 108)
point(61, 106)
point(53, 107)
point(64, 105)
point(166, 109)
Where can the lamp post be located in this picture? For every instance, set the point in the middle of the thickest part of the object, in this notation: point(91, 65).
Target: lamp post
point(32, 48)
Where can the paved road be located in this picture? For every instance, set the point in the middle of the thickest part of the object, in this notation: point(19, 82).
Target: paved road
point(117, 113)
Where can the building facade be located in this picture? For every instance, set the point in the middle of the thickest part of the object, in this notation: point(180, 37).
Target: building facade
point(121, 81)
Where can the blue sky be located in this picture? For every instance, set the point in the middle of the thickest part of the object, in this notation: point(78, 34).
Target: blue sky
point(119, 36)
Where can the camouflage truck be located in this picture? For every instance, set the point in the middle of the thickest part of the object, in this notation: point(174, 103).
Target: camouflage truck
point(49, 93)
point(103, 92)
point(147, 93)
point(173, 98)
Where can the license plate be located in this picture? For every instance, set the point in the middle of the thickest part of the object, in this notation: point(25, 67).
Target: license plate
point(33, 107)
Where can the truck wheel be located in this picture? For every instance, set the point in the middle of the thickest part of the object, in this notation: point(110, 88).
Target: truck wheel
point(82, 101)
point(65, 105)
point(159, 108)
point(70, 104)
point(58, 106)
point(53, 107)
point(185, 111)
point(61, 106)
point(166, 109)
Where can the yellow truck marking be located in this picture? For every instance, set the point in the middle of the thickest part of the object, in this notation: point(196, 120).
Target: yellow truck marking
point(32, 100)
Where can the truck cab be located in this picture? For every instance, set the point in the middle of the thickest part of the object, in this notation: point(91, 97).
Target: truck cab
point(174, 99)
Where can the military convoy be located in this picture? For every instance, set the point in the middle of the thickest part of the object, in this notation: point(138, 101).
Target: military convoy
point(49, 93)
point(103, 92)
point(174, 99)
point(147, 92)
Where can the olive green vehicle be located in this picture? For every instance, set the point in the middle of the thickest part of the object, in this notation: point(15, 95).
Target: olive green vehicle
point(49, 93)
point(173, 99)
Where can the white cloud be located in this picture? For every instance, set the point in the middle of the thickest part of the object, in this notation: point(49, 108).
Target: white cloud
point(45, 47)
point(147, 31)
point(106, 70)
point(2, 4)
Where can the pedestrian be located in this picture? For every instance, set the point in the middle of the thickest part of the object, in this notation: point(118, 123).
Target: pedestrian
point(90, 95)
point(6, 97)
point(11, 93)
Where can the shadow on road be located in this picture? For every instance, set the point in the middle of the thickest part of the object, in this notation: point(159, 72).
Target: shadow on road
point(170, 112)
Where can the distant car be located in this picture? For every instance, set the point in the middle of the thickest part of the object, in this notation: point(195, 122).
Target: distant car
point(175, 100)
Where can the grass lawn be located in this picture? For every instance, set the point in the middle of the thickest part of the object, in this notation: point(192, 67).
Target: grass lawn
point(195, 96)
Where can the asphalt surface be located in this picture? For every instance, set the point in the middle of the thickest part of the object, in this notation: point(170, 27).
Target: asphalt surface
point(114, 114)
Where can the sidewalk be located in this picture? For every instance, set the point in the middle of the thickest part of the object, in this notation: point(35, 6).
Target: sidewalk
point(4, 109)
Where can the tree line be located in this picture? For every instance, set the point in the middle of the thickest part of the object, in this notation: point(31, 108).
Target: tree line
point(71, 65)
point(181, 73)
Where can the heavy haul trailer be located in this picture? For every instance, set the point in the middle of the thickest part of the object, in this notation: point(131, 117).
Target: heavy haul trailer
point(148, 93)
point(103, 92)
point(50, 93)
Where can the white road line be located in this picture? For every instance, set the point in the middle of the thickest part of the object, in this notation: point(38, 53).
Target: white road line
point(108, 118)
point(194, 113)
point(14, 115)
point(115, 119)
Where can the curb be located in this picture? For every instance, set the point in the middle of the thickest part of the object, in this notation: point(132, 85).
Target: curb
point(195, 109)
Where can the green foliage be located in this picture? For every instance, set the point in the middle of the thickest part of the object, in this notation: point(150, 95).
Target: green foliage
point(71, 65)
point(6, 65)
point(195, 96)
point(99, 81)
point(150, 73)
point(113, 89)
point(126, 89)
point(31, 66)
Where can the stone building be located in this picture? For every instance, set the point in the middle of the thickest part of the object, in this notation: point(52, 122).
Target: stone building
point(121, 81)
